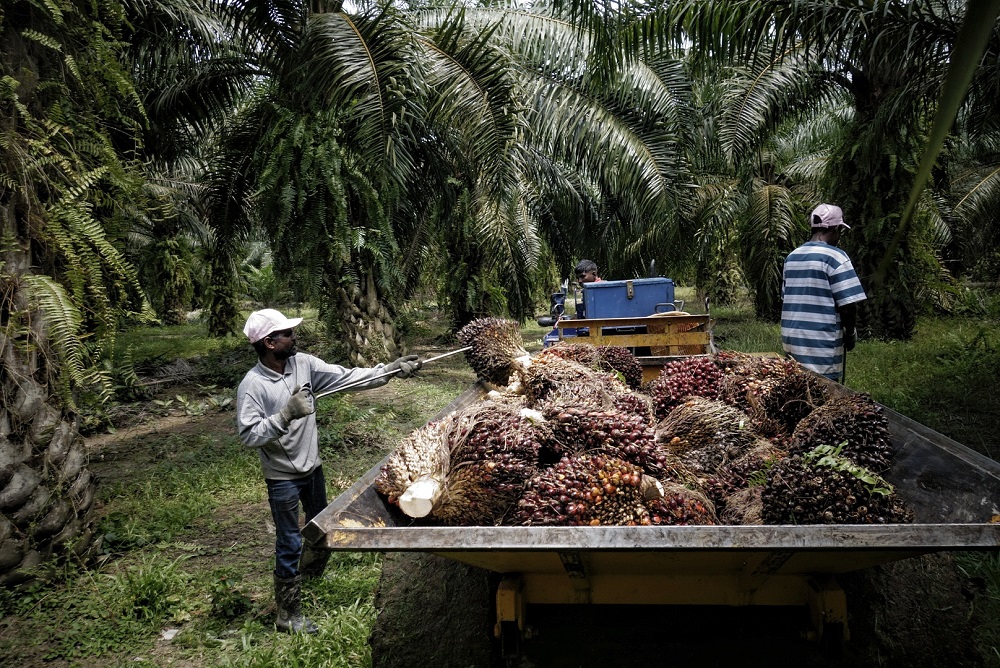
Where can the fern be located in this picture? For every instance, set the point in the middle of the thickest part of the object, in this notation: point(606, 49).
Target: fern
point(830, 457)
point(65, 324)
point(45, 40)
point(63, 179)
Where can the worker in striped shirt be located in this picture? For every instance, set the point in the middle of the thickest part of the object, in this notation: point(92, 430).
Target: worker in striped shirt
point(820, 292)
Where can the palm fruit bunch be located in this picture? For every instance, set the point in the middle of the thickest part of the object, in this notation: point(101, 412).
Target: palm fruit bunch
point(681, 506)
point(744, 507)
point(746, 471)
point(614, 359)
point(635, 403)
point(494, 451)
point(554, 380)
point(748, 381)
point(705, 434)
point(497, 348)
point(579, 429)
point(854, 420)
point(583, 490)
point(823, 487)
point(695, 376)
point(414, 474)
point(790, 399)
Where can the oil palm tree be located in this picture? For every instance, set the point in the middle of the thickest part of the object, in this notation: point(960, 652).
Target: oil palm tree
point(973, 193)
point(317, 156)
point(69, 120)
point(479, 133)
point(597, 162)
point(758, 166)
point(889, 59)
point(189, 75)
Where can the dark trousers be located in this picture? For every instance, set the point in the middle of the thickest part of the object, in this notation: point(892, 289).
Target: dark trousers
point(284, 497)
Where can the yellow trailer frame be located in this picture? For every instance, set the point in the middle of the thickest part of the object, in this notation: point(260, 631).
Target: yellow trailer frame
point(666, 578)
point(666, 335)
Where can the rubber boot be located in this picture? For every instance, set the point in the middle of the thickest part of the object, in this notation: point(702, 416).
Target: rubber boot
point(288, 596)
point(313, 563)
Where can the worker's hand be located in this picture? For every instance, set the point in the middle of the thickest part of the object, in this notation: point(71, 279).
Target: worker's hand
point(405, 367)
point(850, 339)
point(299, 405)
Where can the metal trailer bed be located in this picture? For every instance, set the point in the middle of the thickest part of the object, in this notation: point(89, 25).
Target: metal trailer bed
point(953, 491)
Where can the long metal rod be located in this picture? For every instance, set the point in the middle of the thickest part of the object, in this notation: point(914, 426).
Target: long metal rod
point(387, 373)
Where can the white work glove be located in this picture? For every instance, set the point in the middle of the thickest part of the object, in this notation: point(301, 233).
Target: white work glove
point(299, 405)
point(405, 367)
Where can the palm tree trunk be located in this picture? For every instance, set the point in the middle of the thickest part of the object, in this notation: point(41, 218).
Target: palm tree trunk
point(46, 490)
point(223, 296)
point(367, 323)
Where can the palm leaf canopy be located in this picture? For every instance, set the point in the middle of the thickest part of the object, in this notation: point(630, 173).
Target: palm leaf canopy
point(604, 147)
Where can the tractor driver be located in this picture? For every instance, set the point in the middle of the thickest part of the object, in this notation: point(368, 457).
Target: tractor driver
point(586, 272)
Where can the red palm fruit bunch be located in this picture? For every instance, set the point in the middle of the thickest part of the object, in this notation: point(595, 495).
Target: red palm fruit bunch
point(696, 376)
point(614, 359)
point(681, 506)
point(635, 403)
point(747, 377)
point(855, 421)
point(579, 429)
point(822, 487)
point(497, 348)
point(705, 434)
point(494, 451)
point(583, 490)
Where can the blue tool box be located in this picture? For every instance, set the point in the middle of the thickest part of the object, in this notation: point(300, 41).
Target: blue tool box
point(636, 298)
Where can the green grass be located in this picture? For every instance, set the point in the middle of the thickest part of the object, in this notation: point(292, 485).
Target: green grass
point(739, 330)
point(149, 344)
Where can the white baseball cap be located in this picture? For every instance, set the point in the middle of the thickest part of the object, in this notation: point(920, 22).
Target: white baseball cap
point(263, 322)
point(828, 215)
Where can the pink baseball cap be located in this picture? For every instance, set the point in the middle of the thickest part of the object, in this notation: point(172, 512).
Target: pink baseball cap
point(263, 322)
point(827, 215)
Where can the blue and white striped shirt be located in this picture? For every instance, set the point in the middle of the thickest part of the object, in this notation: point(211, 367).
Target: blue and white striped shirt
point(817, 279)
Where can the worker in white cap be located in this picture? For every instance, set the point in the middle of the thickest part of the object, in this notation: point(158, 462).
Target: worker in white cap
point(820, 292)
point(276, 417)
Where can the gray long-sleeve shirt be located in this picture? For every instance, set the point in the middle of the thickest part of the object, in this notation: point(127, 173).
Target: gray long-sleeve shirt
point(289, 450)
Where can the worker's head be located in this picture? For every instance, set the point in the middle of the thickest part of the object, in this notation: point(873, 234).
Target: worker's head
point(269, 329)
point(827, 222)
point(586, 271)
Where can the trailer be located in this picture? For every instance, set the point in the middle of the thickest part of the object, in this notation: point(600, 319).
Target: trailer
point(954, 493)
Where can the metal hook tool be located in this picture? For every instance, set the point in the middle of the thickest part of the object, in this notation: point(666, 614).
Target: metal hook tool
point(387, 373)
